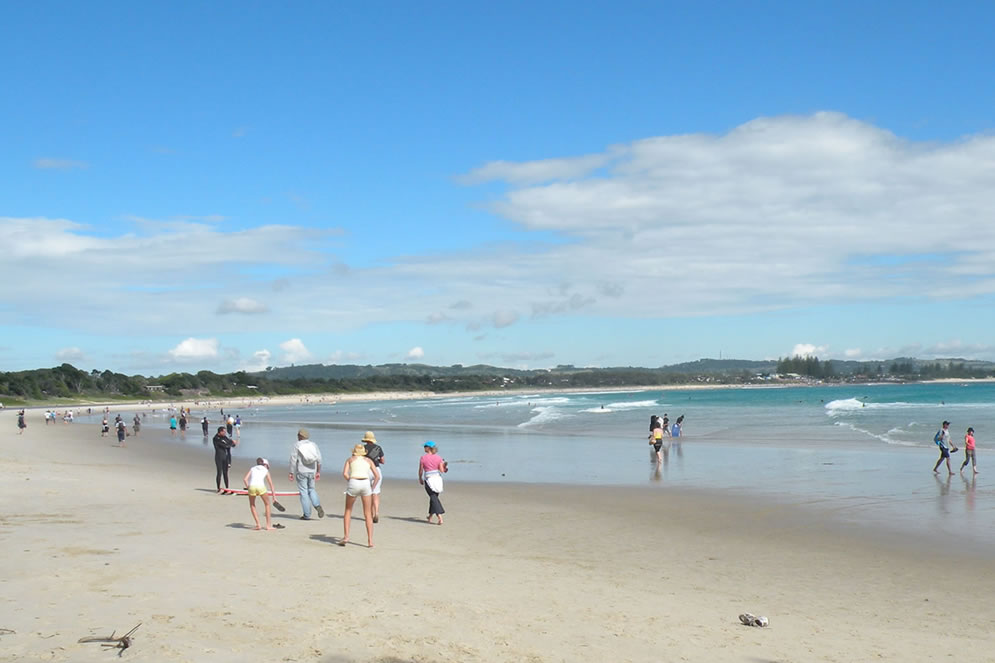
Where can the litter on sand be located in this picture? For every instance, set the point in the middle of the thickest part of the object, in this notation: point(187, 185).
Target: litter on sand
point(750, 620)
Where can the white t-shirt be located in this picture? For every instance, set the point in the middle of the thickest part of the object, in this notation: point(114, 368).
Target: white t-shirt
point(257, 476)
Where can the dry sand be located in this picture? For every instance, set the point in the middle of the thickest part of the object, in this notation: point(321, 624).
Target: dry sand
point(97, 538)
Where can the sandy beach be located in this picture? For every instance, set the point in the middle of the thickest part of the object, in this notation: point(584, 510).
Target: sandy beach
point(99, 538)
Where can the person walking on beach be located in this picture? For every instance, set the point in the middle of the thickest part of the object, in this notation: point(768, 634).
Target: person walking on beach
point(222, 458)
point(431, 467)
point(230, 424)
point(183, 424)
point(204, 423)
point(255, 481)
point(942, 440)
point(21, 423)
point(375, 453)
point(104, 428)
point(122, 431)
point(969, 451)
point(136, 424)
point(305, 469)
point(172, 424)
point(357, 471)
point(238, 426)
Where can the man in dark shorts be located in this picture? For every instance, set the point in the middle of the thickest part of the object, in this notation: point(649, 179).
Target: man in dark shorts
point(122, 431)
point(942, 440)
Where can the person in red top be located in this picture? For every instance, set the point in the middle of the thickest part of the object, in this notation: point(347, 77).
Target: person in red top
point(969, 451)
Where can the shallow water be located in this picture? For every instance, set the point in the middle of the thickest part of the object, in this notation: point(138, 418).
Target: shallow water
point(859, 453)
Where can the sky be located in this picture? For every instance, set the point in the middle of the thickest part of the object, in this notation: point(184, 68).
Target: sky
point(228, 186)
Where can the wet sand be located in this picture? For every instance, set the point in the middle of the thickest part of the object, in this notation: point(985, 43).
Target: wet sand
point(98, 538)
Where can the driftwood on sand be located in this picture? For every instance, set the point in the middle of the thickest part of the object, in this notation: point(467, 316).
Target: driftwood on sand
point(121, 642)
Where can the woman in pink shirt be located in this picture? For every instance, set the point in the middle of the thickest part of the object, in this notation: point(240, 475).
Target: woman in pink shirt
point(431, 467)
point(969, 451)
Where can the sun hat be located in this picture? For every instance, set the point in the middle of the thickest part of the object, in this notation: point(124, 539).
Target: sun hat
point(262, 461)
point(430, 444)
point(359, 450)
point(303, 434)
point(370, 437)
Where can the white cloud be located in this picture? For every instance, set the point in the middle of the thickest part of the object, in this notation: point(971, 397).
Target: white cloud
point(70, 355)
point(294, 351)
point(531, 172)
point(809, 350)
point(242, 305)
point(195, 349)
point(416, 353)
point(776, 213)
point(51, 163)
point(852, 353)
point(259, 361)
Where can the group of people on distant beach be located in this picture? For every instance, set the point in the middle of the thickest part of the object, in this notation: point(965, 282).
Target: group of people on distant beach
point(942, 440)
point(361, 471)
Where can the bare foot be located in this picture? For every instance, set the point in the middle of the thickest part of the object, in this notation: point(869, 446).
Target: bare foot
point(269, 529)
point(369, 546)
point(342, 542)
point(975, 471)
point(257, 528)
point(429, 518)
point(440, 521)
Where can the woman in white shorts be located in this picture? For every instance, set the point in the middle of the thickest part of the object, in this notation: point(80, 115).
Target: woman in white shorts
point(358, 472)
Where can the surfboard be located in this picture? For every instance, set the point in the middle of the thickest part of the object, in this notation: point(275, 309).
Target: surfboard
point(278, 494)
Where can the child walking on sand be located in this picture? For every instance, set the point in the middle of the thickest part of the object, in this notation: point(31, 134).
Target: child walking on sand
point(969, 451)
point(255, 481)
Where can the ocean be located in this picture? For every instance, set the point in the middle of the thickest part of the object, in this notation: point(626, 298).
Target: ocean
point(861, 454)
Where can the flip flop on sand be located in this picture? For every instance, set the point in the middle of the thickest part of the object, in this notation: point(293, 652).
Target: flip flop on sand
point(278, 526)
point(279, 507)
point(342, 542)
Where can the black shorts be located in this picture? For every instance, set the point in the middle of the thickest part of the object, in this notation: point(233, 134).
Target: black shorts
point(944, 453)
point(658, 445)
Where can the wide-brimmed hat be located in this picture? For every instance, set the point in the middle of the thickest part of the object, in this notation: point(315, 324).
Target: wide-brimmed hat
point(370, 437)
point(303, 434)
point(359, 450)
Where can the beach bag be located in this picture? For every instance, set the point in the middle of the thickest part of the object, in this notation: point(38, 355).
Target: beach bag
point(434, 482)
point(938, 438)
point(308, 453)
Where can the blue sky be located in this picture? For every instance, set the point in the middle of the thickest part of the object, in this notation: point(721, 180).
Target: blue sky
point(189, 186)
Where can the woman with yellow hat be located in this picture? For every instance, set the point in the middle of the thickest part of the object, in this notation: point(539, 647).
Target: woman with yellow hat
point(357, 471)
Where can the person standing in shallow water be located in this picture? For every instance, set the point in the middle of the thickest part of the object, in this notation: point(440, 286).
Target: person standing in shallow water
point(431, 467)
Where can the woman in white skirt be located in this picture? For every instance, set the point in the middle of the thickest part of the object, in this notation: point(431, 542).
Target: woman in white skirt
point(358, 472)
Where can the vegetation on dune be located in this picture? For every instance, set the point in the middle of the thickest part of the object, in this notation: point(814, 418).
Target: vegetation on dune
point(70, 383)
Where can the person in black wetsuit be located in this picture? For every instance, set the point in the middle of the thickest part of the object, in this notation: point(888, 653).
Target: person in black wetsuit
point(222, 457)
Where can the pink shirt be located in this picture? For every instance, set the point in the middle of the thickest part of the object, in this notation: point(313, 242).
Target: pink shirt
point(968, 441)
point(431, 462)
